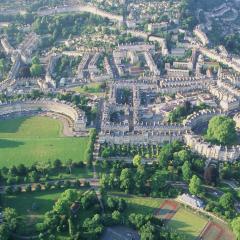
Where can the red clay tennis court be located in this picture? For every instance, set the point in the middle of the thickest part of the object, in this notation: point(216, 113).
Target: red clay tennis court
point(167, 210)
point(214, 231)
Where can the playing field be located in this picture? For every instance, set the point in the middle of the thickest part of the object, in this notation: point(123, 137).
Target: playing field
point(188, 223)
point(32, 139)
point(167, 210)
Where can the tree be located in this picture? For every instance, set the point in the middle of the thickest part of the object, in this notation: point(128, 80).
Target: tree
point(227, 201)
point(137, 160)
point(111, 203)
point(116, 216)
point(67, 184)
point(62, 206)
point(104, 181)
point(38, 188)
point(4, 232)
point(195, 185)
point(106, 153)
point(48, 185)
point(165, 155)
point(69, 165)
point(93, 225)
point(158, 182)
point(33, 176)
point(22, 170)
point(221, 129)
point(137, 220)
point(10, 218)
point(57, 163)
point(8, 190)
point(186, 171)
point(147, 232)
point(35, 60)
point(140, 178)
point(126, 181)
point(211, 175)
point(28, 188)
point(183, 156)
point(236, 227)
point(36, 70)
point(122, 205)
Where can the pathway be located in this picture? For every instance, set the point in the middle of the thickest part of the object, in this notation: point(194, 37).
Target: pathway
point(94, 182)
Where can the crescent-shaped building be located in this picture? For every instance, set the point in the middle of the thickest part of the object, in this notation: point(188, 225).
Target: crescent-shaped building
point(76, 116)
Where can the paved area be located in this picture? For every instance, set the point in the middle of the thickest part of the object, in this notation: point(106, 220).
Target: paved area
point(120, 233)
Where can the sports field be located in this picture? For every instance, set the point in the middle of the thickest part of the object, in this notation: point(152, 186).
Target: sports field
point(167, 210)
point(32, 139)
point(188, 223)
point(216, 231)
point(182, 220)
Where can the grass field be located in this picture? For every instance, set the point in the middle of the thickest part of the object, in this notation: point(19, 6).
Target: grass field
point(23, 203)
point(143, 205)
point(187, 223)
point(184, 221)
point(91, 88)
point(32, 139)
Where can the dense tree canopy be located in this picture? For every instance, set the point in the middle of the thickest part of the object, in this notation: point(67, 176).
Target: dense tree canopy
point(137, 160)
point(186, 171)
point(222, 130)
point(236, 227)
point(195, 185)
point(227, 201)
point(36, 70)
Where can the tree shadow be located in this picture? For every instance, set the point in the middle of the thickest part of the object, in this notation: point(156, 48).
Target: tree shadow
point(140, 209)
point(34, 203)
point(179, 227)
point(5, 143)
point(12, 125)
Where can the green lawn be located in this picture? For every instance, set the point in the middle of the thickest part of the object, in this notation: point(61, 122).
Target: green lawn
point(32, 139)
point(91, 89)
point(184, 221)
point(23, 202)
point(31, 207)
point(76, 173)
point(188, 223)
point(142, 205)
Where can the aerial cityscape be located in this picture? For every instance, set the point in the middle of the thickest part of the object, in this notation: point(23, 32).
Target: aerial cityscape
point(119, 120)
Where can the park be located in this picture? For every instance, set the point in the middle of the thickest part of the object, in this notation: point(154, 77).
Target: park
point(27, 140)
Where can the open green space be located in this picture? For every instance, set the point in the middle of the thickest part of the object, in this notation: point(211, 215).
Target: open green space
point(142, 205)
point(185, 221)
point(76, 173)
point(26, 140)
point(188, 223)
point(91, 88)
point(31, 207)
point(33, 204)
